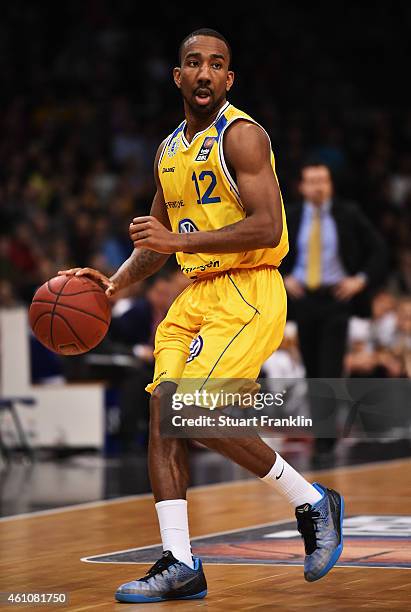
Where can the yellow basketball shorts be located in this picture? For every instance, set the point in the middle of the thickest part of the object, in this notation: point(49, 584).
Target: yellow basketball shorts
point(222, 327)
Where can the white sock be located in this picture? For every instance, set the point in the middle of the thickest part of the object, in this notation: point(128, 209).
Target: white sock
point(173, 521)
point(290, 484)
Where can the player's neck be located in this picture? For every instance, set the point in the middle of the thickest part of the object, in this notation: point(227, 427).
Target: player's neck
point(198, 123)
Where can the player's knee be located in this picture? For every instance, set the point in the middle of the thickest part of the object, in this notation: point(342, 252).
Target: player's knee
point(155, 402)
point(160, 400)
point(155, 399)
point(162, 394)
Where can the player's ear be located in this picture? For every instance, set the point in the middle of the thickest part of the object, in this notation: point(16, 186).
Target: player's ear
point(177, 76)
point(230, 80)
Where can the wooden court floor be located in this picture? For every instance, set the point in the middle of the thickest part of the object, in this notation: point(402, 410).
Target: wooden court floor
point(42, 552)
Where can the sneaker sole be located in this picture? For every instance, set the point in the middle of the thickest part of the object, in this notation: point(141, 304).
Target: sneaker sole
point(131, 598)
point(337, 552)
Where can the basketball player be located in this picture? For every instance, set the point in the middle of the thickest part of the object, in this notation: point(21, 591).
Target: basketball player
point(218, 207)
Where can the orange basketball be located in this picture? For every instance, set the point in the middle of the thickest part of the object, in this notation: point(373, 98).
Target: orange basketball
point(70, 314)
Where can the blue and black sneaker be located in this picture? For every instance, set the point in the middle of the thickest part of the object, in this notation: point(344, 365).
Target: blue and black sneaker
point(167, 580)
point(320, 525)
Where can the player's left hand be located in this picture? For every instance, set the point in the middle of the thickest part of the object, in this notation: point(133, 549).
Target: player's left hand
point(348, 287)
point(149, 233)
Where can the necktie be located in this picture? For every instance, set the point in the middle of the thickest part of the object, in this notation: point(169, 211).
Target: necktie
point(314, 252)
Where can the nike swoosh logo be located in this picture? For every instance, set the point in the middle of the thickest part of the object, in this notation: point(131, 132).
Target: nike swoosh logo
point(179, 588)
point(278, 477)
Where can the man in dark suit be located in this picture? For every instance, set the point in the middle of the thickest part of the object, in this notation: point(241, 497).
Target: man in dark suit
point(336, 259)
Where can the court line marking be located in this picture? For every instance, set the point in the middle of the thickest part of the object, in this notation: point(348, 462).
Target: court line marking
point(209, 535)
point(118, 500)
point(92, 558)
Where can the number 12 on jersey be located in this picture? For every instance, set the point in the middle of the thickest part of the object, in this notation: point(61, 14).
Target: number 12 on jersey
point(206, 197)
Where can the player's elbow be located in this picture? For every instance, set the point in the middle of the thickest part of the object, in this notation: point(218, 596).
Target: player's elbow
point(271, 234)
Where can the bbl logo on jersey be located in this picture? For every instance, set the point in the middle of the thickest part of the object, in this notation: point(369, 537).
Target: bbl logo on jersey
point(186, 226)
point(196, 347)
point(173, 146)
point(206, 147)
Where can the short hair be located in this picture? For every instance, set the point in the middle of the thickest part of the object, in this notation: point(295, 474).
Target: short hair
point(205, 32)
point(315, 161)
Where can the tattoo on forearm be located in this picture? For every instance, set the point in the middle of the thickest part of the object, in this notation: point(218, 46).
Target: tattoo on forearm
point(140, 264)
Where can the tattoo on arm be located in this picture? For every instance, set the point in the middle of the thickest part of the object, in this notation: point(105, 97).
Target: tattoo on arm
point(140, 264)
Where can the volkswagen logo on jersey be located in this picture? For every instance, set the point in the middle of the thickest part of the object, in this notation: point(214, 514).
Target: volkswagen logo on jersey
point(186, 225)
point(173, 146)
point(196, 347)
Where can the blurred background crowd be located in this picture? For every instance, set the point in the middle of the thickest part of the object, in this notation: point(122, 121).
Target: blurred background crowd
point(85, 105)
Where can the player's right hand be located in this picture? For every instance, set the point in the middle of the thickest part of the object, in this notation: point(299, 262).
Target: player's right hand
point(100, 278)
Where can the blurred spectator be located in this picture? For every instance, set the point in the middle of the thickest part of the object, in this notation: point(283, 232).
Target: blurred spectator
point(103, 181)
point(386, 353)
point(285, 371)
point(7, 296)
point(335, 255)
point(401, 279)
point(400, 183)
point(401, 345)
point(81, 237)
point(128, 144)
point(135, 320)
point(286, 361)
point(383, 318)
point(7, 270)
point(23, 250)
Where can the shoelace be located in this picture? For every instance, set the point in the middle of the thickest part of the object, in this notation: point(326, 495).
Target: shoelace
point(307, 526)
point(159, 566)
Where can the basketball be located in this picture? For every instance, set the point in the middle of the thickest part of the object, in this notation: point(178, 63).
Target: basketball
point(70, 315)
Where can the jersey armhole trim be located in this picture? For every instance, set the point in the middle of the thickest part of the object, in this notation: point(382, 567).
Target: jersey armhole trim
point(168, 140)
point(223, 163)
point(166, 143)
point(231, 181)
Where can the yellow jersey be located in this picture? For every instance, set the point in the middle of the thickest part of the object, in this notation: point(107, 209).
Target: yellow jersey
point(201, 195)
